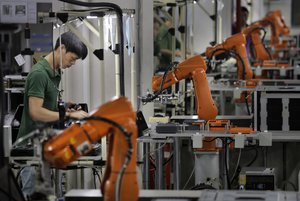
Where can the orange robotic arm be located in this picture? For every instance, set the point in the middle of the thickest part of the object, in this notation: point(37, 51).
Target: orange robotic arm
point(193, 68)
point(278, 28)
point(235, 43)
point(252, 32)
point(115, 119)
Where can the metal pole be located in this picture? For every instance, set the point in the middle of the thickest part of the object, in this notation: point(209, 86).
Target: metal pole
point(176, 163)
point(173, 47)
point(117, 64)
point(133, 69)
point(216, 21)
point(146, 168)
point(238, 16)
point(101, 63)
point(159, 166)
point(102, 82)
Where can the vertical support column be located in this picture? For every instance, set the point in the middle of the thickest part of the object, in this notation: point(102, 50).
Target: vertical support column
point(101, 62)
point(173, 46)
point(238, 15)
point(176, 163)
point(263, 113)
point(102, 81)
point(159, 173)
point(222, 102)
point(144, 52)
point(285, 114)
point(226, 164)
point(86, 76)
point(27, 52)
point(173, 35)
point(8, 101)
point(117, 63)
point(255, 110)
point(183, 31)
point(133, 69)
point(57, 184)
point(192, 102)
point(219, 25)
point(146, 168)
point(216, 21)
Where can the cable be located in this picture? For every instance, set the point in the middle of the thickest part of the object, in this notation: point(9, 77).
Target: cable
point(231, 53)
point(189, 178)
point(94, 176)
point(158, 148)
point(202, 186)
point(168, 160)
point(151, 97)
point(211, 139)
point(128, 155)
point(100, 181)
point(246, 102)
point(26, 137)
point(236, 167)
point(152, 162)
point(95, 173)
point(225, 162)
point(254, 159)
point(244, 76)
point(243, 65)
point(221, 138)
point(285, 183)
point(209, 67)
point(262, 42)
point(19, 172)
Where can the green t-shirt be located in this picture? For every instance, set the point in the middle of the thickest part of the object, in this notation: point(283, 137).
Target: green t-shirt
point(41, 82)
point(164, 41)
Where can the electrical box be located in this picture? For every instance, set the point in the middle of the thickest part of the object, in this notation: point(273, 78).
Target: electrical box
point(257, 178)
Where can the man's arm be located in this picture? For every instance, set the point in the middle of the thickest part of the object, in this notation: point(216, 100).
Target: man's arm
point(39, 113)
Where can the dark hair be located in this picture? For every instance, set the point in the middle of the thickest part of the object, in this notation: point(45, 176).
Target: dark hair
point(244, 9)
point(73, 44)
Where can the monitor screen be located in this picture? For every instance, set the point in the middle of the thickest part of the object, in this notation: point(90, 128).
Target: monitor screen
point(141, 123)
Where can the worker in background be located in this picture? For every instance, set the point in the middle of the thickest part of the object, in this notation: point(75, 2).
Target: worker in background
point(244, 24)
point(244, 18)
point(42, 94)
point(163, 43)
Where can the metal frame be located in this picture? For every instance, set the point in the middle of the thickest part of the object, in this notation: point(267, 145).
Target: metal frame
point(263, 101)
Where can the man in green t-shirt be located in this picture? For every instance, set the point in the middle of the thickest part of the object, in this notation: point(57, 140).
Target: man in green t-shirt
point(41, 93)
point(163, 46)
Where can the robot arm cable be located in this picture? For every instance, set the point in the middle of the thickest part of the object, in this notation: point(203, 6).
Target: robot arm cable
point(129, 152)
point(151, 97)
point(231, 53)
point(262, 39)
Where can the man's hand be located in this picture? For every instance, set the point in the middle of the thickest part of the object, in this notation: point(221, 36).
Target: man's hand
point(72, 107)
point(76, 114)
